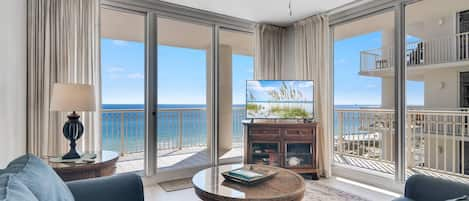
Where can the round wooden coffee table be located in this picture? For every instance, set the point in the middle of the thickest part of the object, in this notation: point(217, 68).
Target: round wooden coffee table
point(104, 165)
point(210, 185)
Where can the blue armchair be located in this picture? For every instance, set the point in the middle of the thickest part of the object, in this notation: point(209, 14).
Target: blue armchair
point(427, 188)
point(28, 178)
point(115, 188)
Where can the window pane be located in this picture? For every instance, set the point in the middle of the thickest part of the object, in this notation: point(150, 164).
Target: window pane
point(184, 61)
point(364, 93)
point(122, 78)
point(236, 59)
point(437, 55)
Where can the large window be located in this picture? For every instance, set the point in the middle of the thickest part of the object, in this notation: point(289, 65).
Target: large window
point(364, 91)
point(437, 58)
point(158, 87)
point(122, 77)
point(236, 58)
point(184, 66)
point(369, 72)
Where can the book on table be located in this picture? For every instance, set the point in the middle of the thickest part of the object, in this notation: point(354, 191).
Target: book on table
point(245, 174)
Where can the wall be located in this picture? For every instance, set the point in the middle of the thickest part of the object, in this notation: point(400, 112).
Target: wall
point(441, 89)
point(12, 79)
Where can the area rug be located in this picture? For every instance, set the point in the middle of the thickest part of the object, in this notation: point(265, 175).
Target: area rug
point(320, 192)
point(176, 185)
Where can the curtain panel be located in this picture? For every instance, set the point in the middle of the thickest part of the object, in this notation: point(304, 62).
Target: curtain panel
point(312, 63)
point(269, 55)
point(63, 46)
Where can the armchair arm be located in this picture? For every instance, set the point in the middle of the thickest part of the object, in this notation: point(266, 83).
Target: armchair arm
point(126, 187)
point(421, 187)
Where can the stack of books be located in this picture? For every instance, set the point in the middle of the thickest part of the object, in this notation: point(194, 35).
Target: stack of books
point(249, 175)
point(245, 174)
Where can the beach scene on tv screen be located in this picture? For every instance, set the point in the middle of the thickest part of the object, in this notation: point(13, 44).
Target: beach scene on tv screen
point(281, 99)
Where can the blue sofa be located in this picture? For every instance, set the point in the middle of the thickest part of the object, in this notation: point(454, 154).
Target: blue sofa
point(28, 178)
point(427, 188)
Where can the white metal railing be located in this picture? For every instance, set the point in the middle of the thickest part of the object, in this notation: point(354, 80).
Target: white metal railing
point(123, 129)
point(434, 51)
point(435, 138)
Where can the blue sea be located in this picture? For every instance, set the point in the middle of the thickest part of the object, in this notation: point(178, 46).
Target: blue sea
point(178, 126)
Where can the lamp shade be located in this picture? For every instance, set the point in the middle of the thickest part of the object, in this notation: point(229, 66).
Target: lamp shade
point(72, 97)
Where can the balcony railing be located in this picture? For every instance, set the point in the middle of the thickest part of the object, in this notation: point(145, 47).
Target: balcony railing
point(435, 138)
point(178, 128)
point(435, 51)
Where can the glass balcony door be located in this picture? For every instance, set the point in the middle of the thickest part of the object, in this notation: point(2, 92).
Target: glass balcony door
point(123, 89)
point(236, 65)
point(184, 59)
point(364, 94)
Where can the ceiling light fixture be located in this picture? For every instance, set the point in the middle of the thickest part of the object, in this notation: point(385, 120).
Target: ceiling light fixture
point(289, 8)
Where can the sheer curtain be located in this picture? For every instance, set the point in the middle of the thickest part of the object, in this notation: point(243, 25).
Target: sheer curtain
point(312, 63)
point(270, 46)
point(63, 46)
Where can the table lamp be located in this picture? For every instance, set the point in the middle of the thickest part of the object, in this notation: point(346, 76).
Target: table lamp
point(72, 98)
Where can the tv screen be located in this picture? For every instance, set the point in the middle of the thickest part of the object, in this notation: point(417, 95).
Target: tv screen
point(279, 99)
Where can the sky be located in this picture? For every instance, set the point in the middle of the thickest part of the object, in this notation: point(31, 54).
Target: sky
point(182, 74)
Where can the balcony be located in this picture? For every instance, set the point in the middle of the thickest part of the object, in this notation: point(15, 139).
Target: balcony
point(434, 53)
point(182, 137)
point(436, 141)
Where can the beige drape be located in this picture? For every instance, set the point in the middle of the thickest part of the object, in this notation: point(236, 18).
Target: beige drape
point(270, 46)
point(63, 46)
point(312, 63)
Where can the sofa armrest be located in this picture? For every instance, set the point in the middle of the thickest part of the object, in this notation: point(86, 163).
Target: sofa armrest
point(126, 187)
point(422, 187)
point(402, 199)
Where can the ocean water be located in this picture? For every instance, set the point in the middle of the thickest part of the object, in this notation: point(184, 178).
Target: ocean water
point(123, 126)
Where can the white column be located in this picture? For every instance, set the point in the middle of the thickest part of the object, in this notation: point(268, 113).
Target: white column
point(387, 92)
point(387, 43)
point(225, 99)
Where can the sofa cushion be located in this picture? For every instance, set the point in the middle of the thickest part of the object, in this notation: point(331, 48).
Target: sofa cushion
point(40, 179)
point(11, 189)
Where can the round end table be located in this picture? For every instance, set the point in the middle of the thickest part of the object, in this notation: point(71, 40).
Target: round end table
point(210, 185)
point(104, 165)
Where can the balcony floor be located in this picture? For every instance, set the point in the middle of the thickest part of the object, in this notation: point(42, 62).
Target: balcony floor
point(174, 159)
point(388, 167)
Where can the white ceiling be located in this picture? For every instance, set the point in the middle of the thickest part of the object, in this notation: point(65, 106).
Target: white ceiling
point(266, 11)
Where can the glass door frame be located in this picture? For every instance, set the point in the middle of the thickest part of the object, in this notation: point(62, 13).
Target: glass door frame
point(153, 10)
point(400, 72)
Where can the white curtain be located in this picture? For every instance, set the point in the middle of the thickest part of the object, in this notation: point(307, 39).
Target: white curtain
point(63, 46)
point(270, 46)
point(312, 63)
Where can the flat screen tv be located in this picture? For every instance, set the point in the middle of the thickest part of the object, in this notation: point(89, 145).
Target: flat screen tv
point(279, 99)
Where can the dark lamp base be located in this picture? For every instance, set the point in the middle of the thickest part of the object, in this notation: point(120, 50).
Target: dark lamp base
point(72, 154)
point(73, 130)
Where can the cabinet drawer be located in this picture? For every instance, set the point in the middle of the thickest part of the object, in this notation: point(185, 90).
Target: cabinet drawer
point(298, 132)
point(264, 131)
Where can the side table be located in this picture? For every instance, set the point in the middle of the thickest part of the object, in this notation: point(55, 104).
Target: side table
point(104, 165)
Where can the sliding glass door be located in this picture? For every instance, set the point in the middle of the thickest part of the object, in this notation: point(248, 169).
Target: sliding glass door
point(364, 94)
point(183, 94)
point(437, 59)
point(236, 65)
point(123, 90)
point(173, 87)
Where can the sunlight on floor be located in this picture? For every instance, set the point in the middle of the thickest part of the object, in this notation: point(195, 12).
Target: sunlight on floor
point(372, 188)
